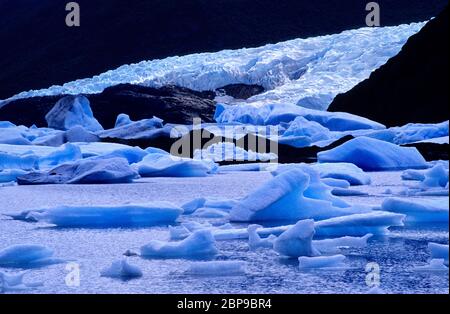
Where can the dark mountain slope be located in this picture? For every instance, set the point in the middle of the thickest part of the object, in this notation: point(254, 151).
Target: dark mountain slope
point(38, 50)
point(410, 87)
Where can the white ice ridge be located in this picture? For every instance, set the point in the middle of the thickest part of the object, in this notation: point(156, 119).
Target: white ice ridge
point(307, 72)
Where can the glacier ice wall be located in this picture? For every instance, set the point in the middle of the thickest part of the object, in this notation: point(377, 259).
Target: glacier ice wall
point(308, 72)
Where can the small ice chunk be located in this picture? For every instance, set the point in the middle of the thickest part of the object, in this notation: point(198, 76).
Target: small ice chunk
point(297, 240)
point(323, 262)
point(121, 269)
point(436, 177)
point(26, 256)
point(210, 213)
point(193, 205)
point(200, 244)
point(334, 245)
point(217, 268)
point(255, 241)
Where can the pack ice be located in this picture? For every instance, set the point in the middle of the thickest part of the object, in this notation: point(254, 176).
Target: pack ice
point(152, 214)
point(374, 155)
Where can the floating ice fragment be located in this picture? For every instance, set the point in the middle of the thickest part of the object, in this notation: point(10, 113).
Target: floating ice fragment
point(217, 268)
point(121, 269)
point(297, 240)
point(419, 210)
point(323, 262)
point(26, 256)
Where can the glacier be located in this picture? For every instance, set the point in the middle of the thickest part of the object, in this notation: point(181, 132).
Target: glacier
point(307, 72)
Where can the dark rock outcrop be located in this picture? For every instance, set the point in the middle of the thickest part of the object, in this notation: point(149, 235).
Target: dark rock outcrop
point(241, 91)
point(39, 50)
point(410, 87)
point(171, 103)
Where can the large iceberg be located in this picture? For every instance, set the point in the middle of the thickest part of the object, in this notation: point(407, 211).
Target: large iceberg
point(200, 244)
point(164, 165)
point(297, 240)
point(419, 210)
point(26, 256)
point(296, 71)
point(157, 213)
point(291, 195)
point(371, 155)
point(72, 111)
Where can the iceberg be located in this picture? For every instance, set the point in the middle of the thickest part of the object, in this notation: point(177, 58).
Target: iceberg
point(26, 256)
point(419, 210)
point(71, 111)
point(13, 136)
point(163, 165)
point(322, 262)
point(200, 244)
point(337, 183)
point(131, 154)
point(255, 241)
point(297, 240)
point(303, 133)
point(374, 155)
point(152, 214)
point(436, 177)
point(439, 251)
point(14, 282)
point(83, 171)
point(291, 195)
point(121, 269)
point(139, 129)
point(122, 119)
point(217, 268)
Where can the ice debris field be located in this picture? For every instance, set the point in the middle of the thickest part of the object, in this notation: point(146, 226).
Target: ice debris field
point(137, 219)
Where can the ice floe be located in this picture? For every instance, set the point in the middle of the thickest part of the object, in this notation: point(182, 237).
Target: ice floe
point(335, 245)
point(322, 262)
point(200, 244)
point(419, 210)
point(371, 155)
point(255, 241)
point(117, 216)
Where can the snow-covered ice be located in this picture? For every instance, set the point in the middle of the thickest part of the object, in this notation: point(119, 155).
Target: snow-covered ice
point(152, 214)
